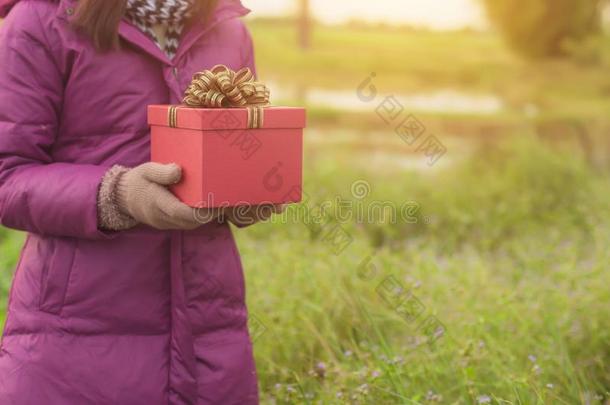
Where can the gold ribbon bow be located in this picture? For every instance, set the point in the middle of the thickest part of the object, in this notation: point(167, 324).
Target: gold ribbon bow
point(222, 87)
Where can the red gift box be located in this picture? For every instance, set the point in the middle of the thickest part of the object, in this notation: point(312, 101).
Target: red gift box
point(231, 156)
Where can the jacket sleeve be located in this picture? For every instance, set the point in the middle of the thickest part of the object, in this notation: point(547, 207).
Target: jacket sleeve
point(38, 194)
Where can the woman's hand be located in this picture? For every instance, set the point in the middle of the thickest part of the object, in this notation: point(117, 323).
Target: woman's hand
point(245, 215)
point(142, 193)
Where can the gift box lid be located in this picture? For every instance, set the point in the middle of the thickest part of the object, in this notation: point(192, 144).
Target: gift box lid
point(214, 119)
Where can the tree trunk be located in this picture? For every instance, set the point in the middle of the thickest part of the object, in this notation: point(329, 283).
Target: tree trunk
point(304, 24)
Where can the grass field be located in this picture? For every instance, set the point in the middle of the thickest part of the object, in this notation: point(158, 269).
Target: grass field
point(512, 261)
point(504, 251)
point(407, 60)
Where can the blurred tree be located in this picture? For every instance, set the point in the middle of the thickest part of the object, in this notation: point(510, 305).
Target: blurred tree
point(304, 23)
point(545, 28)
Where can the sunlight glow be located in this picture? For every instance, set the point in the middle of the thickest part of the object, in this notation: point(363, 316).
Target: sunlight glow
point(436, 14)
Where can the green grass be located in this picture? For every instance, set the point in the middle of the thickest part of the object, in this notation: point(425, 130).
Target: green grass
point(509, 252)
point(411, 60)
point(513, 263)
point(342, 57)
point(10, 245)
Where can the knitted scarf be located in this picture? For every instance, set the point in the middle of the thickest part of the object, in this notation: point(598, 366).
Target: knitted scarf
point(172, 14)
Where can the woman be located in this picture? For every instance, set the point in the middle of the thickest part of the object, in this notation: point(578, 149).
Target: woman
point(121, 295)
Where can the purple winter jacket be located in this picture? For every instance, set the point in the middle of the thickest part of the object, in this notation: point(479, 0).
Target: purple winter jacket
point(136, 317)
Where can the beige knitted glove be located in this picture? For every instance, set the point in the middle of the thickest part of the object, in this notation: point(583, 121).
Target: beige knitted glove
point(128, 196)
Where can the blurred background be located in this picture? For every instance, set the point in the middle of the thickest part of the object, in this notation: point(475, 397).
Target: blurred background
point(478, 134)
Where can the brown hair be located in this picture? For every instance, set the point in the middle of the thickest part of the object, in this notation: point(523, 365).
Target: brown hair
point(99, 19)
